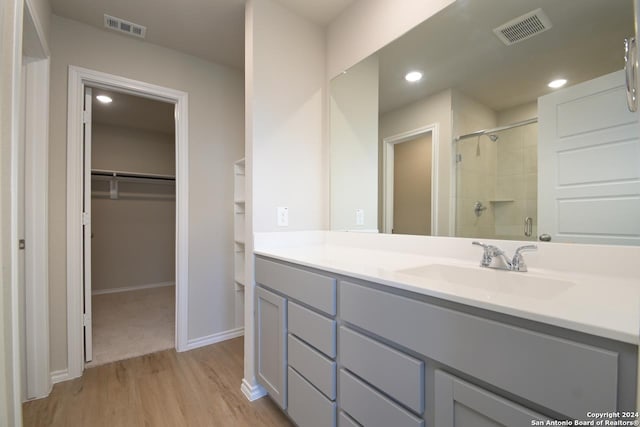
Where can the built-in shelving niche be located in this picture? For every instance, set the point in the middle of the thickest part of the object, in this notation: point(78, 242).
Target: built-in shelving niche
point(239, 238)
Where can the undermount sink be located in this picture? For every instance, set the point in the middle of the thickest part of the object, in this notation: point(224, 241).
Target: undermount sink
point(505, 282)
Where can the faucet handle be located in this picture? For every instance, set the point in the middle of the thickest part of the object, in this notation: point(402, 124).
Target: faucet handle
point(526, 248)
point(487, 256)
point(518, 261)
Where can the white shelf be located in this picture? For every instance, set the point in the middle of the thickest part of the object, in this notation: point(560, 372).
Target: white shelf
point(238, 167)
point(239, 238)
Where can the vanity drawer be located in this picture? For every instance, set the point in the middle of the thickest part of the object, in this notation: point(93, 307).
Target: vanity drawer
point(313, 328)
point(316, 368)
point(307, 406)
point(316, 290)
point(567, 377)
point(395, 373)
point(345, 420)
point(370, 408)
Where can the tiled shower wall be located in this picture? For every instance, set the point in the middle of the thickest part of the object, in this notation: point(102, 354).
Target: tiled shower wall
point(517, 173)
point(501, 174)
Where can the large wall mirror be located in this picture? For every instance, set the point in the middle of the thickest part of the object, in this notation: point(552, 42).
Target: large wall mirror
point(493, 119)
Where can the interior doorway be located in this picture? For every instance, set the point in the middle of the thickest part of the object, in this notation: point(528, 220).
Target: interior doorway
point(412, 186)
point(130, 249)
point(82, 83)
point(410, 182)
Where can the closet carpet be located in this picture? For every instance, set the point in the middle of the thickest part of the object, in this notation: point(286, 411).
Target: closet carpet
point(130, 324)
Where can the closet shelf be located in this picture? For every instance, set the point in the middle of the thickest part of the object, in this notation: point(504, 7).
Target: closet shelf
point(125, 195)
point(108, 175)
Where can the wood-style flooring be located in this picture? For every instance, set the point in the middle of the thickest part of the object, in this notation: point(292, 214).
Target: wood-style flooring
point(192, 389)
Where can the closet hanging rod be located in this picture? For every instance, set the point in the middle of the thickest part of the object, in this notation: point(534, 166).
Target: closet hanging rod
point(498, 129)
point(121, 174)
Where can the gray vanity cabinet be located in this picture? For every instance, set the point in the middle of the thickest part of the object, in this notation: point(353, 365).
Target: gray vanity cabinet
point(460, 404)
point(359, 353)
point(303, 364)
point(271, 316)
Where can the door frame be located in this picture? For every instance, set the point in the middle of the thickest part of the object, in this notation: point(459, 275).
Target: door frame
point(11, 16)
point(78, 78)
point(388, 145)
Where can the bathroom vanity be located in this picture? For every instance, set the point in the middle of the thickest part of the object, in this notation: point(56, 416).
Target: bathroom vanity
point(349, 336)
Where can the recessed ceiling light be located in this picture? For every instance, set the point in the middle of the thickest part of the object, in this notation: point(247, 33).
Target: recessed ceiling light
point(557, 83)
point(413, 76)
point(104, 99)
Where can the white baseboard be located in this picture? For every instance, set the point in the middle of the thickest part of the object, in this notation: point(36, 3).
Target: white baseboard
point(131, 288)
point(59, 376)
point(212, 339)
point(252, 392)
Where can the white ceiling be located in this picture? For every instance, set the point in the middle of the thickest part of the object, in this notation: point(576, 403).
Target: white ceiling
point(133, 112)
point(319, 11)
point(457, 49)
point(209, 29)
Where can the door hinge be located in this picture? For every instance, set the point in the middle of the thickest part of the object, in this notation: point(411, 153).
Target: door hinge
point(85, 116)
point(458, 158)
point(86, 319)
point(21, 244)
point(86, 218)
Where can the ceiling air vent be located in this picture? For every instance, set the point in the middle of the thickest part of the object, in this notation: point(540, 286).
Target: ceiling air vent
point(523, 27)
point(123, 26)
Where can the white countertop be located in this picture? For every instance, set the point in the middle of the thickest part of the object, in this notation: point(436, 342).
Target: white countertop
point(602, 305)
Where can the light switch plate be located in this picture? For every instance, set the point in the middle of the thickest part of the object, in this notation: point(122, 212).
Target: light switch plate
point(359, 216)
point(283, 217)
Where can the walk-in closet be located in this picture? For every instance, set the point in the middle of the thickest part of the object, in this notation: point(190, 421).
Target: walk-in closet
point(133, 220)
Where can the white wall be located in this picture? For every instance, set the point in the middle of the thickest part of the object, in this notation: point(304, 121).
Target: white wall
point(41, 13)
point(285, 128)
point(215, 141)
point(427, 111)
point(132, 150)
point(354, 146)
point(288, 119)
point(133, 239)
point(368, 25)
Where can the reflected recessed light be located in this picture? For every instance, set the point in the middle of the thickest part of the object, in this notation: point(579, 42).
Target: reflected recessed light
point(557, 83)
point(104, 99)
point(413, 76)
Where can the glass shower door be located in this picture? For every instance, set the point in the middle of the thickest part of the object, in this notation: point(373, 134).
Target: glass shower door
point(496, 185)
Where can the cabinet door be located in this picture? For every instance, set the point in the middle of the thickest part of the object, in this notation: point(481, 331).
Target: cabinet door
point(271, 325)
point(460, 404)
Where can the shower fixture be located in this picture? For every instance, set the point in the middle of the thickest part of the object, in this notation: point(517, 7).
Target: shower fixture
point(491, 133)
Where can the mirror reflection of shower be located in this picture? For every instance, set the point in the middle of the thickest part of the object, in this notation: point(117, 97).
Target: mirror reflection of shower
point(496, 181)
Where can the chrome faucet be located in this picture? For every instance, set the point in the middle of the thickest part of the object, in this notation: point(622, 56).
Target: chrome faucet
point(515, 264)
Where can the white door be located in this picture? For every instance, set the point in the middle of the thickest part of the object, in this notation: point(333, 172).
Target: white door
point(412, 186)
point(86, 221)
point(589, 164)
